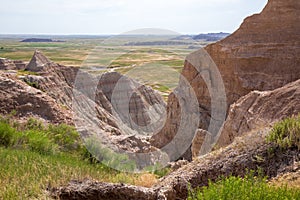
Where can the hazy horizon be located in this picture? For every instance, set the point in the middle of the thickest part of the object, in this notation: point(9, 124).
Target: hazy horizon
point(112, 17)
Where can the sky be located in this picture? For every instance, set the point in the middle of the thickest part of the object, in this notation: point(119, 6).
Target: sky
point(119, 16)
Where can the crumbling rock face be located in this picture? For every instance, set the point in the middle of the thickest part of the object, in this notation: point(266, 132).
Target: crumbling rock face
point(28, 101)
point(6, 64)
point(250, 152)
point(263, 54)
point(110, 92)
point(198, 140)
point(259, 109)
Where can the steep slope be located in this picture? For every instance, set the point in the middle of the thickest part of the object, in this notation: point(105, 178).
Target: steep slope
point(263, 54)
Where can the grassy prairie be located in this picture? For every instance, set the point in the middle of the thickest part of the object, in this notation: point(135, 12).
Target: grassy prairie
point(103, 54)
point(72, 52)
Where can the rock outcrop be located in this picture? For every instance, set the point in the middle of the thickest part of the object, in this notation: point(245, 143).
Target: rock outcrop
point(260, 109)
point(38, 62)
point(263, 54)
point(15, 95)
point(7, 64)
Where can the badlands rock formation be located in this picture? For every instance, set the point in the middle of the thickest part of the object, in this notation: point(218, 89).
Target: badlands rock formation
point(38, 62)
point(110, 92)
point(263, 54)
point(6, 64)
point(117, 110)
point(260, 109)
point(15, 95)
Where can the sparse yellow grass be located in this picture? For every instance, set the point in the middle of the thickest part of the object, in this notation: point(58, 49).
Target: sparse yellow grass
point(146, 180)
point(26, 174)
point(291, 180)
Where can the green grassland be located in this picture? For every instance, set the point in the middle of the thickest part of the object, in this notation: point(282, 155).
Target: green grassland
point(71, 52)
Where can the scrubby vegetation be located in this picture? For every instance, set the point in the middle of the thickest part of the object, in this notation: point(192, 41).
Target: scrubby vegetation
point(35, 156)
point(250, 187)
point(286, 133)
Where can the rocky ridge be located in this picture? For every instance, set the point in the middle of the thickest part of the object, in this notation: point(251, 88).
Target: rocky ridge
point(261, 55)
point(264, 59)
point(260, 109)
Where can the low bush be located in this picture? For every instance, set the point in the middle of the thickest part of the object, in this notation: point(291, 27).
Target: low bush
point(286, 133)
point(99, 153)
point(7, 134)
point(35, 136)
point(38, 141)
point(65, 136)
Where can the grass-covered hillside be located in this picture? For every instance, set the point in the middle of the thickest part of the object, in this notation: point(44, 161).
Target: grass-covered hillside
point(34, 157)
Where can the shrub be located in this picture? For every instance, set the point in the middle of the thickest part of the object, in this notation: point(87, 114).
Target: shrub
point(38, 141)
point(34, 124)
point(98, 153)
point(286, 133)
point(35, 136)
point(65, 136)
point(7, 134)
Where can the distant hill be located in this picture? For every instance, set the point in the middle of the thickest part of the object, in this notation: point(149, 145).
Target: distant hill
point(40, 40)
point(157, 43)
point(211, 36)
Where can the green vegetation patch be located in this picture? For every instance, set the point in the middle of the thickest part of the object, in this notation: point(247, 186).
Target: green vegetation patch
point(34, 157)
point(237, 188)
